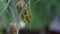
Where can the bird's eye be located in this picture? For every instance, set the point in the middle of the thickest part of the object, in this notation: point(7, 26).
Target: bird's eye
point(25, 13)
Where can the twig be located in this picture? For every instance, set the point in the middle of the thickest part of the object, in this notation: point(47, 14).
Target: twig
point(5, 7)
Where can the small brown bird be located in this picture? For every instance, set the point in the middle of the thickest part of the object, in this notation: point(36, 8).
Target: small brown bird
point(11, 29)
point(20, 5)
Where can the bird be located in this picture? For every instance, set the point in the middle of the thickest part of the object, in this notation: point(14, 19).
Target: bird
point(26, 18)
point(20, 5)
point(11, 28)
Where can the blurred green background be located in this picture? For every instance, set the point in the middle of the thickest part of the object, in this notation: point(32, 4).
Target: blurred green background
point(41, 12)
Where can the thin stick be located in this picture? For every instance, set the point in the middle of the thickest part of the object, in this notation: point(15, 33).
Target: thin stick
point(5, 8)
point(16, 25)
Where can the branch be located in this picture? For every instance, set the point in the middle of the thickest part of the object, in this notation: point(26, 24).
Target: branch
point(5, 7)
